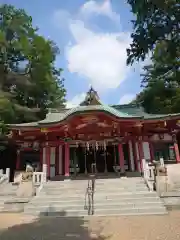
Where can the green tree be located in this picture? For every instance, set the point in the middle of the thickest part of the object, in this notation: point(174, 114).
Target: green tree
point(163, 67)
point(154, 21)
point(160, 94)
point(157, 30)
point(29, 81)
point(159, 99)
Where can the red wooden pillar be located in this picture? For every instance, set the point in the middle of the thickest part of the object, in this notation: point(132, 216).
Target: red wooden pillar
point(60, 160)
point(57, 161)
point(48, 159)
point(41, 157)
point(18, 160)
point(141, 154)
point(67, 160)
point(176, 149)
point(135, 155)
point(129, 155)
point(151, 150)
point(121, 157)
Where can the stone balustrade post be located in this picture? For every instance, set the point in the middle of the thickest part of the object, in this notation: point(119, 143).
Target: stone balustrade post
point(8, 174)
point(44, 172)
point(162, 162)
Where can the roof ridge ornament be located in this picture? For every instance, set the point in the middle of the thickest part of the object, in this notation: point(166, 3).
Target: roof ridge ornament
point(91, 98)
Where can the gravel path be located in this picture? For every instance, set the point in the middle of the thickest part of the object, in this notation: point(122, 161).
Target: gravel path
point(20, 227)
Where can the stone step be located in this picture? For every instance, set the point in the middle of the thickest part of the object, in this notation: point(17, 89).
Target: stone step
point(1, 208)
point(80, 188)
point(96, 185)
point(7, 192)
point(7, 195)
point(39, 201)
point(101, 181)
point(99, 196)
point(5, 198)
point(62, 207)
point(111, 197)
point(100, 212)
point(135, 211)
point(170, 194)
point(63, 185)
point(12, 209)
point(69, 185)
point(133, 179)
point(96, 191)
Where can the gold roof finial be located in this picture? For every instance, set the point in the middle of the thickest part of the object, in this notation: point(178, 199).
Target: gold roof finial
point(91, 98)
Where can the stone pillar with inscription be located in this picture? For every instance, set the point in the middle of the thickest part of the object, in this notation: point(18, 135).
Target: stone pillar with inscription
point(44, 169)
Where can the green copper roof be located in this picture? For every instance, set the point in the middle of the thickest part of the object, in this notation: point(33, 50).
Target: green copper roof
point(58, 117)
point(138, 111)
point(131, 109)
point(160, 116)
point(90, 104)
point(119, 111)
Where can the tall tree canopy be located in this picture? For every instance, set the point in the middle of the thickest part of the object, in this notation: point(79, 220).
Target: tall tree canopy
point(154, 21)
point(29, 81)
point(157, 30)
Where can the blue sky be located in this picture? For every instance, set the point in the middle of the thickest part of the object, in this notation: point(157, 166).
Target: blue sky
point(93, 37)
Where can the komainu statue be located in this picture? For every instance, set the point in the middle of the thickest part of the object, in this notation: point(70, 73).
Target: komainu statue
point(26, 188)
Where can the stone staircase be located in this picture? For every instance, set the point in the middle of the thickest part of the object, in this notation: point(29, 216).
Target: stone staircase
point(121, 196)
point(7, 192)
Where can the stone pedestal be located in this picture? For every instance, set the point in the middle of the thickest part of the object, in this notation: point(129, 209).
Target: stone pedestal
point(26, 190)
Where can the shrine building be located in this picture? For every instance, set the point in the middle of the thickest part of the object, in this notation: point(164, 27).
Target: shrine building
point(109, 138)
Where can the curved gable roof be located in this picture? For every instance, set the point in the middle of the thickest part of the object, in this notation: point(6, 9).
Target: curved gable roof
point(92, 104)
point(58, 117)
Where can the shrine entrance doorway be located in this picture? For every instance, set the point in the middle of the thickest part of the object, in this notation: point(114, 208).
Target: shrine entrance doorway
point(84, 160)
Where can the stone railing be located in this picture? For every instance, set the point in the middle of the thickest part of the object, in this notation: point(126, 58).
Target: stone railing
point(149, 174)
point(4, 176)
point(152, 171)
point(40, 177)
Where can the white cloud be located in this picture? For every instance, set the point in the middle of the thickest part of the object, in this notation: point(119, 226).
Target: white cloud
point(100, 8)
point(127, 98)
point(99, 57)
point(75, 101)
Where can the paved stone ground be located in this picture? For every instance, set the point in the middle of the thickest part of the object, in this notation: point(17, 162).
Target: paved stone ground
point(19, 227)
